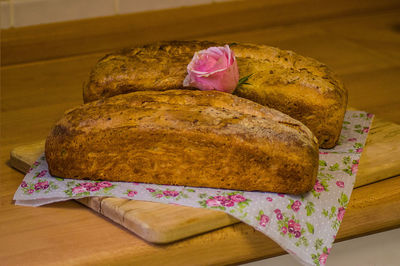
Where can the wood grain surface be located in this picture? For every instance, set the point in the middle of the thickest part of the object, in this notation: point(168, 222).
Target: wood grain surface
point(43, 68)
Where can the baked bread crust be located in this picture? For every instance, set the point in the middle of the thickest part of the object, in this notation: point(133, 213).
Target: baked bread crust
point(184, 137)
point(298, 86)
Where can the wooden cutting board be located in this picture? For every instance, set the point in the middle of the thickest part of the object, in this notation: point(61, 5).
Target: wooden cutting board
point(380, 160)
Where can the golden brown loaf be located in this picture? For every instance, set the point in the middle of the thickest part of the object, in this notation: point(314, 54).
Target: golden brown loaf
point(184, 137)
point(298, 86)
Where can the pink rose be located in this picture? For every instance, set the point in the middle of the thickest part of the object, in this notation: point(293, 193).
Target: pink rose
point(297, 227)
point(340, 214)
point(150, 190)
point(228, 203)
point(322, 258)
point(354, 168)
point(30, 191)
point(132, 193)
point(291, 222)
point(323, 152)
point(104, 184)
point(365, 129)
point(213, 69)
point(264, 219)
point(44, 185)
point(237, 198)
point(220, 199)
point(159, 195)
point(42, 173)
point(94, 188)
point(279, 216)
point(78, 189)
point(269, 199)
point(352, 139)
point(296, 206)
point(277, 211)
point(281, 195)
point(341, 183)
point(318, 187)
point(370, 115)
point(24, 184)
point(284, 230)
point(213, 203)
point(87, 185)
point(170, 193)
point(359, 150)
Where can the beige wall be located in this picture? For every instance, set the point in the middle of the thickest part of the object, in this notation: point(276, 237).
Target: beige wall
point(20, 13)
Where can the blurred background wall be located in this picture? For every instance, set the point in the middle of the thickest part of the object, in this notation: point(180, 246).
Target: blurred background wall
point(20, 13)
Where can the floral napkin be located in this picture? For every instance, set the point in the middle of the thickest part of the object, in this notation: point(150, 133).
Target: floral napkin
point(305, 226)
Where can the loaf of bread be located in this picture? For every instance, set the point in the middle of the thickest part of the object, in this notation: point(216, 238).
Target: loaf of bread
point(184, 137)
point(298, 86)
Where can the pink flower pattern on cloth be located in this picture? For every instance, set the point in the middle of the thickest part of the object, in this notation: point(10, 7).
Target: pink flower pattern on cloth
point(213, 69)
point(305, 225)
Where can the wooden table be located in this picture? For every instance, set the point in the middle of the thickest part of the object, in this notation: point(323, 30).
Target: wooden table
point(43, 68)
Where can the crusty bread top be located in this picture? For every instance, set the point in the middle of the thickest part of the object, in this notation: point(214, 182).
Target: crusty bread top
point(140, 66)
point(219, 112)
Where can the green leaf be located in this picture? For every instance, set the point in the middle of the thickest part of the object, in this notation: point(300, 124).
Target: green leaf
point(243, 81)
point(348, 171)
point(202, 195)
point(325, 213)
point(343, 200)
point(242, 204)
point(324, 183)
point(357, 126)
point(310, 228)
point(346, 160)
point(190, 190)
point(334, 167)
point(310, 208)
point(357, 145)
point(322, 163)
point(318, 243)
point(305, 241)
point(346, 122)
point(330, 176)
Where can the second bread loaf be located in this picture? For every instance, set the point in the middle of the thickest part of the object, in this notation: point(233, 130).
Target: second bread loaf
point(301, 87)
